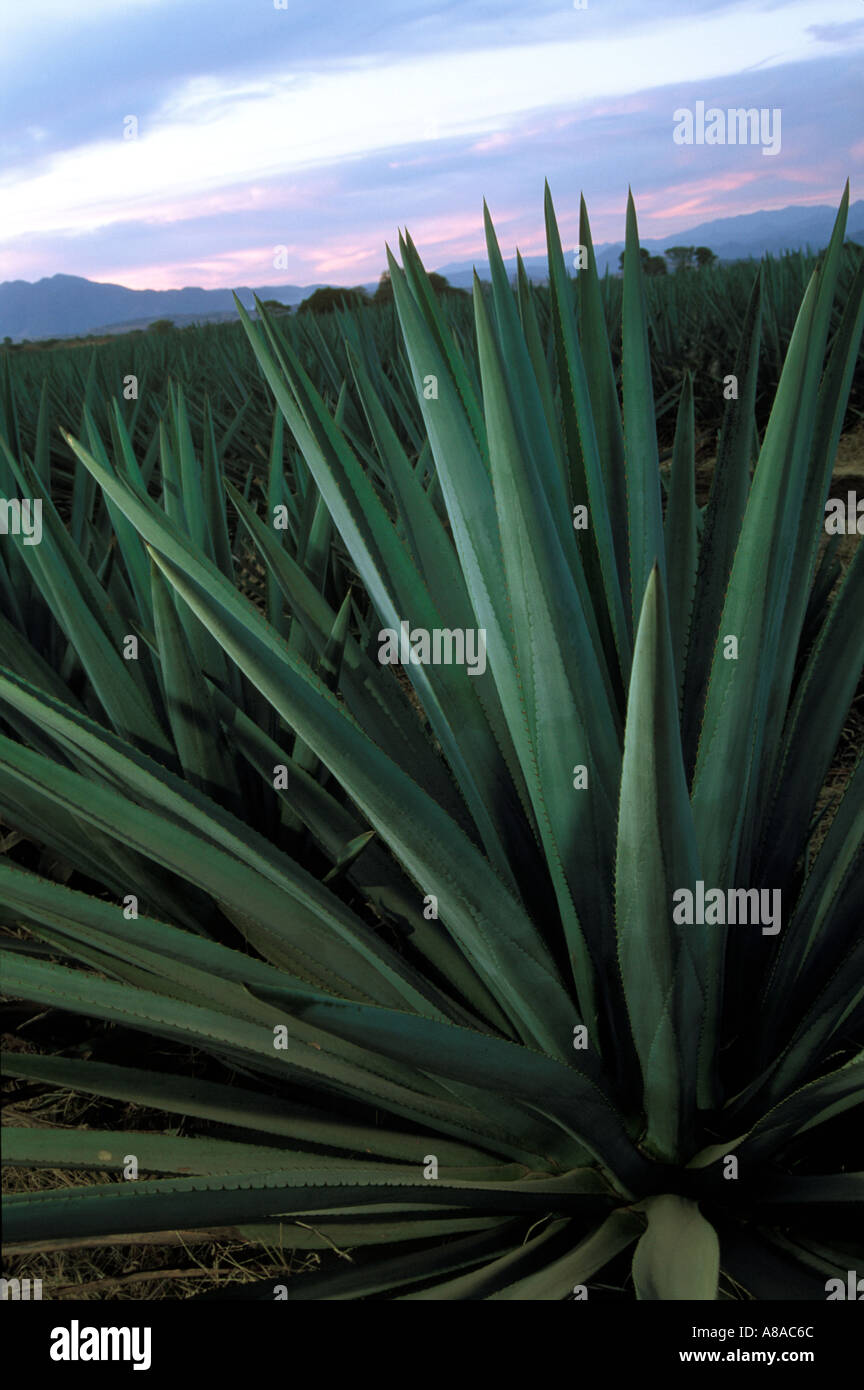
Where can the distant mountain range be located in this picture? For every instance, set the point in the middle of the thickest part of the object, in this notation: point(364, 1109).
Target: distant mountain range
point(730, 238)
point(61, 306)
point(66, 305)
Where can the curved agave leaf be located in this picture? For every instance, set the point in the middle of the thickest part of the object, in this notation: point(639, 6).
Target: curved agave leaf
point(489, 923)
point(644, 507)
point(235, 1106)
point(207, 847)
point(154, 1153)
point(305, 1055)
point(811, 1105)
point(678, 1257)
point(229, 1200)
point(663, 966)
point(397, 593)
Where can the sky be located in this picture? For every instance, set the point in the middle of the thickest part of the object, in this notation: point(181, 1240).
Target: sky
point(287, 141)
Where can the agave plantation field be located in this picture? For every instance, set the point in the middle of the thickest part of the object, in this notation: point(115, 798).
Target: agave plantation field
point(532, 977)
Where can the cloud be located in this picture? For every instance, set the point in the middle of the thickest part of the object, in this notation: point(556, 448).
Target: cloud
point(837, 33)
point(326, 127)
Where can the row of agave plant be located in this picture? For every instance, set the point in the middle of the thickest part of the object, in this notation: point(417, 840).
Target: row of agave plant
point(447, 1018)
point(694, 323)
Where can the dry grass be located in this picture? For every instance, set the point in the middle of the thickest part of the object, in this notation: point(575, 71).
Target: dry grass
point(166, 1264)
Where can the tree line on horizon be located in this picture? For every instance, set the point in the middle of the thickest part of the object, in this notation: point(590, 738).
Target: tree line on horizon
point(680, 258)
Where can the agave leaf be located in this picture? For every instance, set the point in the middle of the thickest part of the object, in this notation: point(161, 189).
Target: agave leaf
point(480, 1282)
point(826, 920)
point(678, 1257)
point(815, 722)
point(333, 654)
point(765, 1271)
point(353, 1233)
point(530, 424)
point(217, 540)
point(562, 702)
point(730, 486)
point(238, 1107)
point(398, 595)
point(10, 563)
point(813, 1104)
point(828, 1010)
point(508, 1278)
point(839, 1190)
point(605, 408)
point(467, 489)
point(155, 1153)
point(575, 1096)
point(433, 553)
point(421, 288)
point(737, 707)
point(307, 1055)
point(414, 826)
point(187, 702)
point(820, 428)
point(348, 854)
point(236, 1198)
point(25, 660)
point(191, 968)
point(36, 812)
point(380, 707)
point(106, 1151)
point(829, 1259)
point(418, 830)
point(379, 877)
point(349, 1232)
point(540, 364)
point(726, 785)
point(663, 966)
point(644, 515)
point(589, 483)
point(579, 1265)
point(384, 1275)
point(531, 438)
point(682, 546)
point(86, 615)
point(190, 473)
point(206, 846)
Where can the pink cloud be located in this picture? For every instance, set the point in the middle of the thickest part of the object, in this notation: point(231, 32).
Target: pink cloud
point(664, 209)
point(253, 266)
point(434, 237)
point(500, 141)
point(362, 261)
